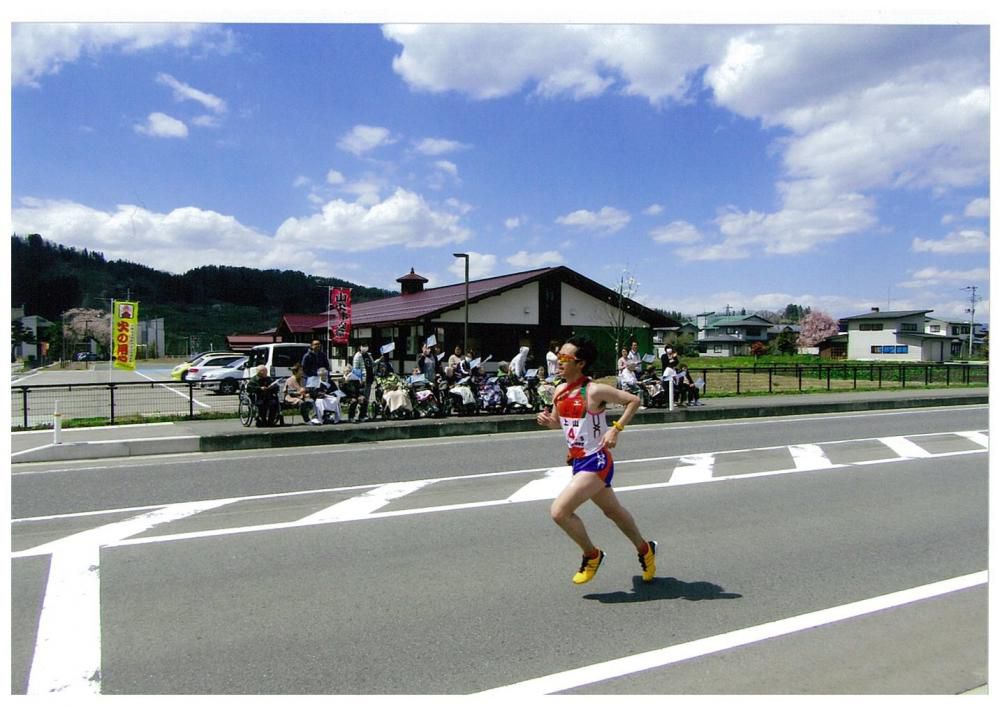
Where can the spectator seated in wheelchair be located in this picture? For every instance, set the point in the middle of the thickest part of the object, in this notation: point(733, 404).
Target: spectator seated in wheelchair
point(263, 391)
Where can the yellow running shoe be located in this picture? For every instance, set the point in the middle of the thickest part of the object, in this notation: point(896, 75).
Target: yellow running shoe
point(648, 562)
point(588, 569)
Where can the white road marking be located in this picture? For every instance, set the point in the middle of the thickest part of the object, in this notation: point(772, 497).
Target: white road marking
point(809, 457)
point(545, 488)
point(176, 392)
point(904, 447)
point(67, 656)
point(366, 504)
point(593, 673)
point(976, 437)
point(695, 468)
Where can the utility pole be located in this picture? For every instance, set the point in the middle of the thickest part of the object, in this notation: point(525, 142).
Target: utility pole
point(972, 314)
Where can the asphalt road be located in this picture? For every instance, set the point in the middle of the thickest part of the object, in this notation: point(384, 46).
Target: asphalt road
point(432, 567)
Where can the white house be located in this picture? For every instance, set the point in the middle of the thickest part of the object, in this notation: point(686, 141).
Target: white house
point(900, 336)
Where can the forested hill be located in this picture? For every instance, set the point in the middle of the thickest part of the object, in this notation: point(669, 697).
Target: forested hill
point(48, 278)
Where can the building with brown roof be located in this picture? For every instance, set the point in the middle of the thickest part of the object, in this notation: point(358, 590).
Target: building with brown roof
point(505, 313)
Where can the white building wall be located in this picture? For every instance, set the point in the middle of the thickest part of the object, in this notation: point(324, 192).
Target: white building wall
point(515, 306)
point(581, 309)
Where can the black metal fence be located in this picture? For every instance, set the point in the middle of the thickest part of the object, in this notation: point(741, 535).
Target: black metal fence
point(115, 402)
point(126, 402)
point(836, 377)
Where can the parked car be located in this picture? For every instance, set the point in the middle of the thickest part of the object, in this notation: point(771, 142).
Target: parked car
point(225, 380)
point(202, 366)
point(278, 357)
point(85, 356)
point(180, 372)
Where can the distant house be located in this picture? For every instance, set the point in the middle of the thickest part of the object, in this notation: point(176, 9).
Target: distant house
point(900, 336)
point(34, 324)
point(729, 335)
point(670, 335)
point(528, 308)
point(243, 342)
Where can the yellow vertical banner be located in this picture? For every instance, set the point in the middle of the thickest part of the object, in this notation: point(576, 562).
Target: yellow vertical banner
point(124, 331)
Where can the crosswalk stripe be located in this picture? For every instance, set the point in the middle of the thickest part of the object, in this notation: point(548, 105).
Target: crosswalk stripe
point(976, 437)
point(545, 488)
point(905, 448)
point(809, 457)
point(696, 468)
point(365, 504)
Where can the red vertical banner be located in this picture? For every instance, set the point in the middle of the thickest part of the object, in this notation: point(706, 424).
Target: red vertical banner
point(340, 315)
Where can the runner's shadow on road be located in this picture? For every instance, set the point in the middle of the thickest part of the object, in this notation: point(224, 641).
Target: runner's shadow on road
point(665, 588)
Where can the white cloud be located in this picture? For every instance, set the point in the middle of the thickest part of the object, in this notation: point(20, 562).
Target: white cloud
point(480, 265)
point(676, 232)
point(860, 107)
point(486, 61)
point(433, 146)
point(162, 125)
point(301, 181)
point(978, 208)
point(403, 219)
point(190, 237)
point(334, 177)
point(364, 138)
point(933, 277)
point(608, 219)
point(957, 242)
point(40, 49)
point(653, 210)
point(183, 92)
point(448, 167)
point(512, 223)
point(526, 260)
point(175, 242)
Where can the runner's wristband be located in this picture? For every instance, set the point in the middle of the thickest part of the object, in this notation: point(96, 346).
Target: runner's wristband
point(617, 425)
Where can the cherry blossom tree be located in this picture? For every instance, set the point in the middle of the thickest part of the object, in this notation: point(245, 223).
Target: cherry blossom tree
point(83, 324)
point(815, 327)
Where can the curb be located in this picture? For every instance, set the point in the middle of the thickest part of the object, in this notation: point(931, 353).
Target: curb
point(82, 450)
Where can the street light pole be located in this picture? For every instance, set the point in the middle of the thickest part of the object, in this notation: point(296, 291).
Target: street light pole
point(465, 337)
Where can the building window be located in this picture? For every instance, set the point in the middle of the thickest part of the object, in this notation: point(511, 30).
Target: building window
point(871, 327)
point(716, 349)
point(935, 328)
point(908, 327)
point(890, 350)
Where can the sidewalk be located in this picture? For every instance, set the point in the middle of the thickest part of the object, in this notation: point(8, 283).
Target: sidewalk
point(229, 434)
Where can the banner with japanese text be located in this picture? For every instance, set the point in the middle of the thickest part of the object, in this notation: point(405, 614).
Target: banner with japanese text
point(340, 315)
point(124, 333)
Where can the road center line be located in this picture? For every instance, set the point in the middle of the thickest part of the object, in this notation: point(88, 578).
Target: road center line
point(633, 664)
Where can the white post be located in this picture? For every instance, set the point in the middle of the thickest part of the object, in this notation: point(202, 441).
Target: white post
point(56, 424)
point(670, 386)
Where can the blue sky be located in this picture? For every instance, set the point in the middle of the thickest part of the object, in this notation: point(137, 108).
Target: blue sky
point(835, 166)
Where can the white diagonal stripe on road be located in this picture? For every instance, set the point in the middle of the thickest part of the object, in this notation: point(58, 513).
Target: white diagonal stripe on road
point(696, 468)
point(904, 448)
point(809, 457)
point(976, 437)
point(545, 488)
point(365, 504)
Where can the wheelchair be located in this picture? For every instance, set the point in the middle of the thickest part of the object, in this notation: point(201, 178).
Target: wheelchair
point(250, 411)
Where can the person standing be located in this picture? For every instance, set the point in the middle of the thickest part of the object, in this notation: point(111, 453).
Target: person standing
point(363, 366)
point(579, 410)
point(552, 359)
point(312, 361)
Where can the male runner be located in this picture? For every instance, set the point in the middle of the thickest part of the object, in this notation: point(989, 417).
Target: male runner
point(579, 409)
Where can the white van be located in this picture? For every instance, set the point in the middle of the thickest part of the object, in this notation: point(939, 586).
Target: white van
point(278, 357)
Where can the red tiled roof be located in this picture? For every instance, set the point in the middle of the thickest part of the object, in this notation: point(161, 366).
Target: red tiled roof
point(411, 307)
point(303, 323)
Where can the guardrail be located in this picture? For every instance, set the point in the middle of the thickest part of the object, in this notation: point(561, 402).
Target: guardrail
point(115, 402)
